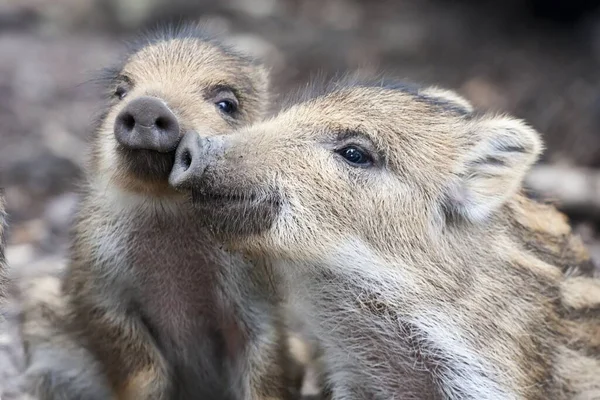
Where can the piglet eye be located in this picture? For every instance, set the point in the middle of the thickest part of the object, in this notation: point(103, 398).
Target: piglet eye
point(121, 92)
point(355, 156)
point(227, 106)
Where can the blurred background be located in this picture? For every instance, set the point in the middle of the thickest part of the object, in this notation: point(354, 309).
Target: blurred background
point(536, 59)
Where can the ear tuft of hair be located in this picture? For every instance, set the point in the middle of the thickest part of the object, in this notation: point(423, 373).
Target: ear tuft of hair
point(448, 96)
point(261, 75)
point(500, 152)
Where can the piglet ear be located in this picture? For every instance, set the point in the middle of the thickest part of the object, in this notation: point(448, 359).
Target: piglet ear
point(262, 78)
point(499, 153)
point(449, 97)
point(261, 82)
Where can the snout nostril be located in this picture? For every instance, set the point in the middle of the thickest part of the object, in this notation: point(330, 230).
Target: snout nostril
point(162, 123)
point(186, 160)
point(128, 121)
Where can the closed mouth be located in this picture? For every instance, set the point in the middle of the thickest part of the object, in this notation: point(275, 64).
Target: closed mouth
point(212, 197)
point(237, 212)
point(148, 164)
point(145, 152)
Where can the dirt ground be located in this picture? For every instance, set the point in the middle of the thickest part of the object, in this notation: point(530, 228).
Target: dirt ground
point(498, 54)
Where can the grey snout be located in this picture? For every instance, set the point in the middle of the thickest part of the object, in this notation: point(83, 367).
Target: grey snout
point(190, 161)
point(146, 123)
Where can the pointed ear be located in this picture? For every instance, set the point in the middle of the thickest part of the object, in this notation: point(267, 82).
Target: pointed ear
point(448, 96)
point(261, 77)
point(499, 153)
point(261, 80)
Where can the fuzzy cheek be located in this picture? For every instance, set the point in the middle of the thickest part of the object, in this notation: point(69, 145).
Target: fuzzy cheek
point(108, 151)
point(285, 230)
point(301, 236)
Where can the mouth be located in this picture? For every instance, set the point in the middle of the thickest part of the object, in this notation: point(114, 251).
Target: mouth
point(147, 165)
point(237, 213)
point(201, 197)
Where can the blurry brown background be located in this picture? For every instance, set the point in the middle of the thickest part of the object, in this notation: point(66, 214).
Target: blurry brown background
point(536, 59)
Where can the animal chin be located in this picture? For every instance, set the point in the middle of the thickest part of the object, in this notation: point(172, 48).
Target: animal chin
point(223, 199)
point(237, 213)
point(147, 165)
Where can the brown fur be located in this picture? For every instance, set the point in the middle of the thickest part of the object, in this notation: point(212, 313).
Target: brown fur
point(58, 365)
point(424, 273)
point(166, 312)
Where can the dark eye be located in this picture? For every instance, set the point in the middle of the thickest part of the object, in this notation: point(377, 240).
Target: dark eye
point(355, 156)
point(121, 92)
point(227, 106)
